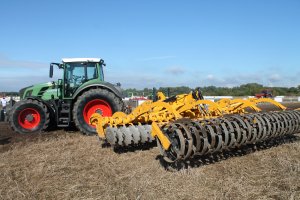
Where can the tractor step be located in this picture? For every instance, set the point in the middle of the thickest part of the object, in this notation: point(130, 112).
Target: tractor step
point(64, 115)
point(63, 122)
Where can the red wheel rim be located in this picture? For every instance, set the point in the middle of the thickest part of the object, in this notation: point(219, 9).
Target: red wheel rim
point(29, 118)
point(96, 106)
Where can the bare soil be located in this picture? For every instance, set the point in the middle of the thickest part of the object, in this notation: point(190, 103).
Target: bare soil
point(67, 165)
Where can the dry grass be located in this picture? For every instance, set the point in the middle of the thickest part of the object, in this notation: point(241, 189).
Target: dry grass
point(72, 166)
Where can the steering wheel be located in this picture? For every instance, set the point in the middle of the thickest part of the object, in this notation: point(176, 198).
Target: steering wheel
point(76, 78)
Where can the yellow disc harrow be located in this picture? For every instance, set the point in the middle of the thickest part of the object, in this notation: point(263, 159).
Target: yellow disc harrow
point(187, 125)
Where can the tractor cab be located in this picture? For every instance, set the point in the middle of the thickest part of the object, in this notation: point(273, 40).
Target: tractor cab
point(77, 73)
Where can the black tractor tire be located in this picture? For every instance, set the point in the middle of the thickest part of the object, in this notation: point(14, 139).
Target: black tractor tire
point(115, 103)
point(29, 116)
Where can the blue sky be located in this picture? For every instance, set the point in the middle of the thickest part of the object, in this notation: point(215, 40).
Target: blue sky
point(154, 43)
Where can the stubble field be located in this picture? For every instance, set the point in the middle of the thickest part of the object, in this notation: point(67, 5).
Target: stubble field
point(67, 165)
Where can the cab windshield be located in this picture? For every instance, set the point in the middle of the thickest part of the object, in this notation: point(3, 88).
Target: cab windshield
point(78, 73)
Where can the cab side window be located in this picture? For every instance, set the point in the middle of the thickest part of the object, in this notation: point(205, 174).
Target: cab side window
point(91, 71)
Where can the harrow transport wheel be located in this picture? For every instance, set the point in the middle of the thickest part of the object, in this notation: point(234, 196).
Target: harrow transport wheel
point(29, 116)
point(100, 101)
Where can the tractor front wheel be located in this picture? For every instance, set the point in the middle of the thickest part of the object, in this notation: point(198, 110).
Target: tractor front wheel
point(98, 100)
point(29, 116)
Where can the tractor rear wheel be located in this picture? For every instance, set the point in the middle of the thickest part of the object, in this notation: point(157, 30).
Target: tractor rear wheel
point(29, 116)
point(98, 100)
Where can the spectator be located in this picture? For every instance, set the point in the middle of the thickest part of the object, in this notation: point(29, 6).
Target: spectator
point(3, 102)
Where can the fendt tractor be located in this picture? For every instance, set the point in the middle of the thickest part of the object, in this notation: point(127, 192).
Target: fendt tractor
point(81, 92)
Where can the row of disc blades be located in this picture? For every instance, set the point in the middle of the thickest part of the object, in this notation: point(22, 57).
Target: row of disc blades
point(199, 137)
point(189, 137)
point(128, 135)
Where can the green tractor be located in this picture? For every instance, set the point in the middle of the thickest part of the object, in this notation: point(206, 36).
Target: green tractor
point(72, 99)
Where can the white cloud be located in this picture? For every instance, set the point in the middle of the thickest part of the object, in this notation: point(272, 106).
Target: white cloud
point(6, 62)
point(275, 78)
point(136, 81)
point(210, 77)
point(16, 83)
point(16, 74)
point(175, 70)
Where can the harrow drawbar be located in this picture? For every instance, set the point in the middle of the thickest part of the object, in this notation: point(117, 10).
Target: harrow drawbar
point(190, 138)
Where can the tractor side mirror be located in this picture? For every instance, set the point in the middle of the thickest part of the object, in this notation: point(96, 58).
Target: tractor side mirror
point(102, 62)
point(51, 71)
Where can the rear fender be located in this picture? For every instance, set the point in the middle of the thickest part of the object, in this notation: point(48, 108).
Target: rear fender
point(107, 86)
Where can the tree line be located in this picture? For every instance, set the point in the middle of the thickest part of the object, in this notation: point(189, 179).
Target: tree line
point(249, 89)
point(7, 94)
